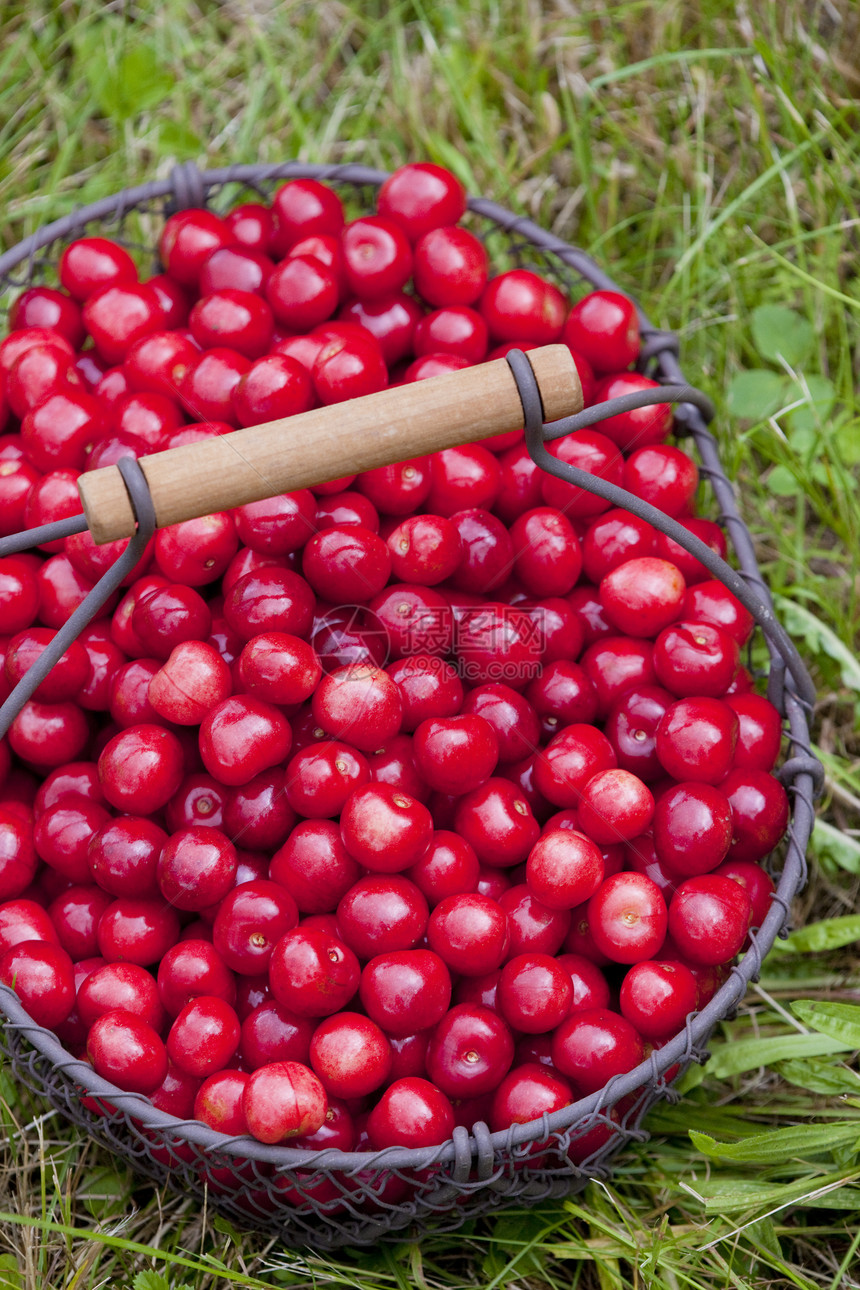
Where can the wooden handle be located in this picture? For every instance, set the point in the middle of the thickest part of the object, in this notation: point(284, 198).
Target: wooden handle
point(313, 447)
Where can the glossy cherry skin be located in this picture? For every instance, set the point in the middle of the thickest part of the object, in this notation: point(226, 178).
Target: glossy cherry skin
point(569, 761)
point(564, 868)
point(470, 1051)
point(75, 913)
point(204, 1036)
point(351, 1055)
point(696, 740)
point(425, 549)
point(360, 704)
point(218, 1101)
point(497, 822)
point(711, 602)
point(631, 728)
point(321, 778)
point(512, 717)
point(590, 987)
point(604, 327)
point(137, 930)
point(123, 856)
point(657, 997)
point(279, 524)
point(241, 737)
point(586, 450)
point(122, 1048)
point(414, 620)
point(616, 664)
point(190, 683)
point(628, 918)
point(249, 922)
point(520, 306)
point(615, 805)
point(314, 866)
point(313, 974)
point(759, 732)
point(188, 239)
point(18, 858)
point(692, 828)
point(591, 1047)
point(456, 754)
point(381, 914)
point(412, 1112)
point(191, 969)
point(405, 991)
point(709, 917)
point(384, 829)
point(535, 993)
point(498, 643)
point(758, 884)
point(469, 932)
point(196, 868)
point(534, 927)
point(427, 687)
point(640, 426)
point(449, 867)
point(760, 811)
point(24, 920)
point(272, 1034)
point(62, 836)
point(42, 975)
point(462, 478)
point(526, 1093)
point(695, 659)
point(283, 1100)
point(643, 595)
point(140, 769)
point(421, 196)
point(454, 329)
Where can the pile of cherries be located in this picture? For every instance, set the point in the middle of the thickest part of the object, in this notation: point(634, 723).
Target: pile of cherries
point(430, 795)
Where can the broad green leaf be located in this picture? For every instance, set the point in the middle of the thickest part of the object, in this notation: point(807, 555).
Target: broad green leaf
point(125, 78)
point(840, 1021)
point(837, 846)
point(178, 140)
point(150, 1281)
point(818, 396)
point(11, 1277)
point(777, 1146)
point(830, 934)
point(739, 1196)
point(847, 440)
point(749, 1054)
point(820, 638)
point(781, 334)
point(817, 1075)
point(782, 482)
point(104, 1192)
point(756, 394)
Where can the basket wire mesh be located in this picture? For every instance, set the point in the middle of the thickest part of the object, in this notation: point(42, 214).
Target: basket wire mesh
point(327, 1199)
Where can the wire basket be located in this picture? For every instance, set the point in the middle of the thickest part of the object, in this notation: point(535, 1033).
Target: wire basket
point(327, 1199)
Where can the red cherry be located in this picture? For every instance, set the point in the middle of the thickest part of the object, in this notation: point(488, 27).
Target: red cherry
point(692, 828)
point(696, 740)
point(242, 736)
point(192, 969)
point(42, 976)
point(406, 991)
point(760, 812)
point(604, 327)
point(592, 1047)
point(283, 1100)
point(564, 868)
point(709, 917)
point(122, 1048)
point(313, 974)
point(627, 916)
point(535, 993)
point(360, 704)
point(420, 197)
point(249, 922)
point(519, 305)
point(204, 1036)
point(656, 998)
point(639, 427)
point(450, 267)
point(351, 1055)
point(380, 914)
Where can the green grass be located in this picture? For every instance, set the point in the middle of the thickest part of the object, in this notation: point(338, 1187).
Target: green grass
point(707, 153)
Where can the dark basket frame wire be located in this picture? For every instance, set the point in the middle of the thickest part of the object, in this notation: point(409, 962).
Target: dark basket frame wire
point(331, 1198)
